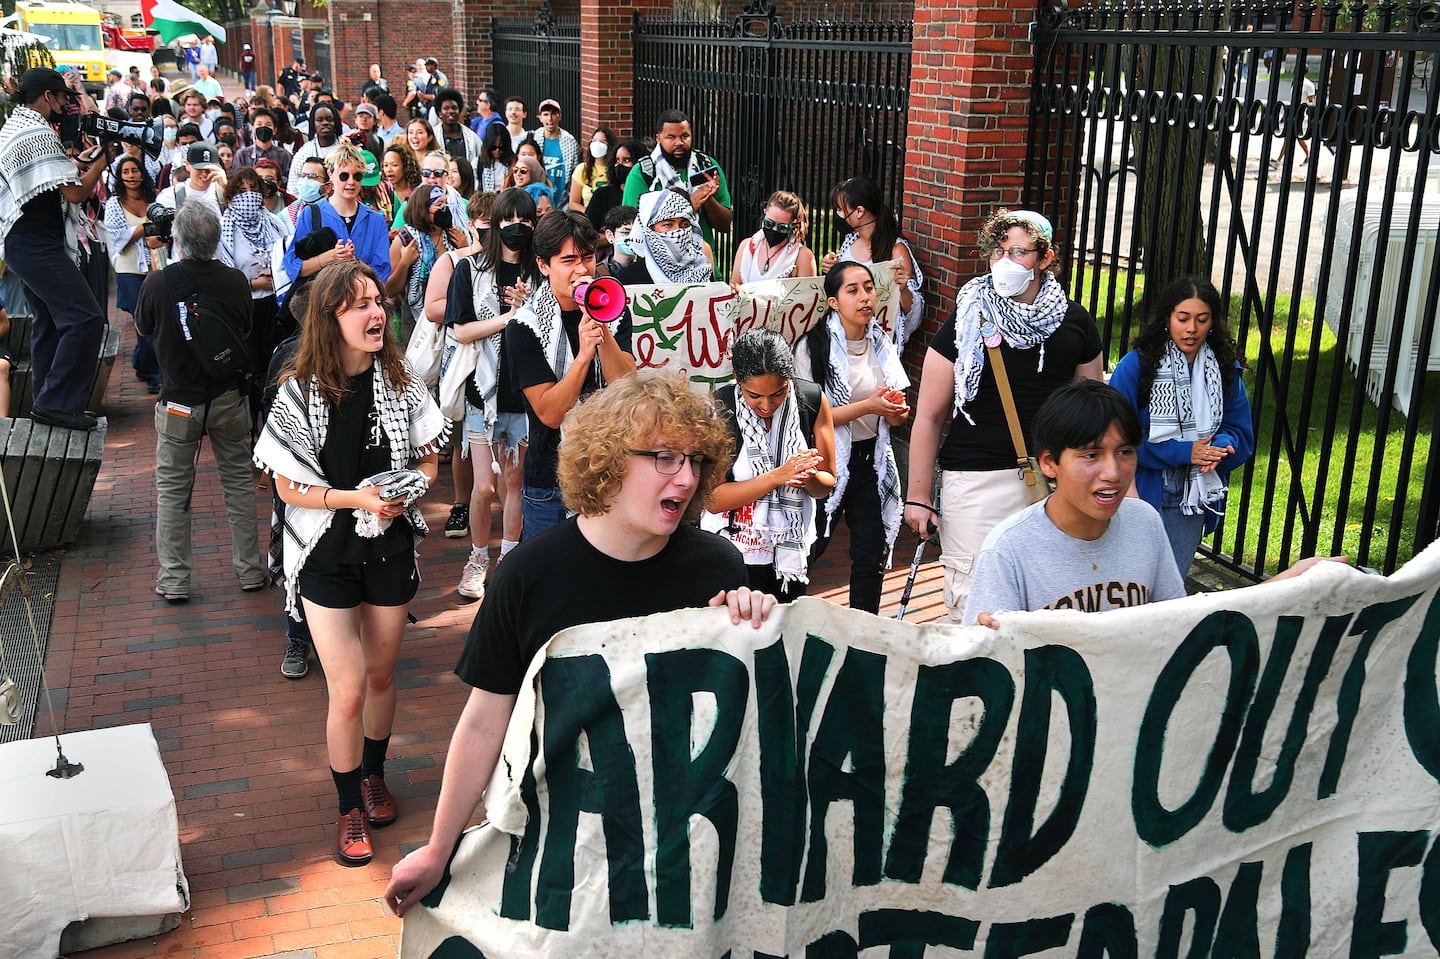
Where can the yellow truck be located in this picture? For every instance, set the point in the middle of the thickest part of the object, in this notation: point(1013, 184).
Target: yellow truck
point(74, 32)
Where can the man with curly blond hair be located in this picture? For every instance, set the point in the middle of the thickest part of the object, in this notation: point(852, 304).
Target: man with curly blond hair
point(638, 459)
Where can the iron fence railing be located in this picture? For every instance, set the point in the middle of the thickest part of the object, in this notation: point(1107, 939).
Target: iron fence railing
point(538, 59)
point(1291, 152)
point(796, 103)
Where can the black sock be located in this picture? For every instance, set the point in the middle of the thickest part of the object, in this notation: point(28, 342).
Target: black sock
point(347, 785)
point(372, 759)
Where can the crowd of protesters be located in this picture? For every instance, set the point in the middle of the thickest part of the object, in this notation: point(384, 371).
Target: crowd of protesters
point(404, 271)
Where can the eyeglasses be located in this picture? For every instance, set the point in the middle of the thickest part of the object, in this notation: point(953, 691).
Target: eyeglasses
point(434, 174)
point(345, 176)
point(1014, 253)
point(314, 177)
point(667, 463)
point(769, 224)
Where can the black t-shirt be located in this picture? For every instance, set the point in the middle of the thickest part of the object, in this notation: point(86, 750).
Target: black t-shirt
point(528, 367)
point(356, 447)
point(987, 445)
point(225, 290)
point(634, 274)
point(42, 214)
point(455, 146)
point(528, 601)
point(461, 295)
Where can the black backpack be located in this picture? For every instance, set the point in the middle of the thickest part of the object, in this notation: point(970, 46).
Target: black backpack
point(218, 347)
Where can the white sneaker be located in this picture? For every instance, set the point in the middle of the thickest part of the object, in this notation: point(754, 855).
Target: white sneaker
point(472, 579)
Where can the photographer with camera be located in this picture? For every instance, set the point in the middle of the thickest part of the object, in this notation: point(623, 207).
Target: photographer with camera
point(187, 308)
point(132, 252)
point(35, 175)
point(205, 184)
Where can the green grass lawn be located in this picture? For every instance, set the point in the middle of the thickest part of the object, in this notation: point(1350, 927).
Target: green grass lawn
point(1297, 490)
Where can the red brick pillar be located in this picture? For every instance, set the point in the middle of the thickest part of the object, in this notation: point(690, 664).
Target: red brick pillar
point(607, 65)
point(970, 73)
point(354, 42)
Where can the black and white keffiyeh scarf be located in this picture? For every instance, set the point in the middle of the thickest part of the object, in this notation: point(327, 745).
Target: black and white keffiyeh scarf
point(784, 518)
point(295, 432)
point(1187, 402)
point(981, 314)
point(666, 176)
point(246, 215)
point(837, 388)
point(542, 315)
point(485, 303)
point(32, 161)
point(674, 257)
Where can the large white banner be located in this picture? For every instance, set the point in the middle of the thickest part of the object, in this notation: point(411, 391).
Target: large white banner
point(1246, 773)
point(690, 327)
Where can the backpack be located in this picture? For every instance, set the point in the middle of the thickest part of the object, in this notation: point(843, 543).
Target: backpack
point(218, 347)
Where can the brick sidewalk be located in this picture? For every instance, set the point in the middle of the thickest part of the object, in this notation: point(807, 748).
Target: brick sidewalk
point(244, 747)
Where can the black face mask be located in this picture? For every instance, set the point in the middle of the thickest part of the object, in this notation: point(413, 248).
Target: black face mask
point(842, 228)
point(515, 236)
point(622, 170)
point(229, 140)
point(442, 217)
point(268, 187)
point(775, 237)
point(264, 135)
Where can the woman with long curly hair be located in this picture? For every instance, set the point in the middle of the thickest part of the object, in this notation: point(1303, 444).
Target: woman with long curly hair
point(401, 168)
point(349, 409)
point(132, 254)
point(421, 137)
point(1183, 376)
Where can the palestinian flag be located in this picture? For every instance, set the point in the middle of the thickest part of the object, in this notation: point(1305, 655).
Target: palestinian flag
point(172, 20)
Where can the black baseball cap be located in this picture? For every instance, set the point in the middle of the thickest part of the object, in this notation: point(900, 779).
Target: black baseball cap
point(40, 79)
point(203, 156)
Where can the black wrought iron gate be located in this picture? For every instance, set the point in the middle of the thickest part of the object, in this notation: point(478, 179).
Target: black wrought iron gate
point(1290, 152)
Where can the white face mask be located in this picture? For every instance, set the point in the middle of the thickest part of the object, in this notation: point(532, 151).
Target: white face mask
point(599, 150)
point(1009, 278)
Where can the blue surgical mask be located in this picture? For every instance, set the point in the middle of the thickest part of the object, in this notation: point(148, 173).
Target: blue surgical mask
point(213, 114)
point(623, 247)
point(308, 191)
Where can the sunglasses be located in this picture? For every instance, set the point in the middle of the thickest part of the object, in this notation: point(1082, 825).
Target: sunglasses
point(434, 174)
point(782, 228)
point(345, 176)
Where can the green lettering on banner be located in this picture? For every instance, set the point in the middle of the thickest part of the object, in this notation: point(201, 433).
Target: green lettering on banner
point(1024, 848)
point(1379, 854)
point(520, 867)
point(1108, 930)
point(1422, 705)
point(1292, 938)
point(686, 787)
point(1243, 806)
point(579, 700)
point(1368, 623)
point(1009, 940)
point(1430, 895)
point(783, 722)
point(907, 933)
point(930, 782)
point(1234, 633)
point(1200, 896)
point(1237, 936)
point(851, 729)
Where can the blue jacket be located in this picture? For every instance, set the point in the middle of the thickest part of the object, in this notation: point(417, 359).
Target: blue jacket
point(371, 237)
point(1236, 429)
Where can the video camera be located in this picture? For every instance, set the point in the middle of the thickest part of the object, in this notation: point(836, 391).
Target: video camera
point(159, 220)
point(148, 135)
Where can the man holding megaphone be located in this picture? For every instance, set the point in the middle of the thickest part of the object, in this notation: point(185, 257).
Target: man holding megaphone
point(569, 340)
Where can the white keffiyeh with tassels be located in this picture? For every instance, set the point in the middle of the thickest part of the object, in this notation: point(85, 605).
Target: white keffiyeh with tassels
point(542, 315)
point(32, 161)
point(837, 389)
point(980, 311)
point(485, 303)
point(1187, 402)
point(295, 432)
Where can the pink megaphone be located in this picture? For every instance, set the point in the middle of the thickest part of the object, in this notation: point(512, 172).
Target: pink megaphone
point(603, 299)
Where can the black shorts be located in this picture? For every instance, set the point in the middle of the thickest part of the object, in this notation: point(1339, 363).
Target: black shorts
point(387, 581)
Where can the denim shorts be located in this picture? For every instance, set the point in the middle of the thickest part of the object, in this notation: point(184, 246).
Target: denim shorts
point(511, 430)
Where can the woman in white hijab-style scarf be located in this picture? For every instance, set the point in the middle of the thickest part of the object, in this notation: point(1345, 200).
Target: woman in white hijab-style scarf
point(668, 237)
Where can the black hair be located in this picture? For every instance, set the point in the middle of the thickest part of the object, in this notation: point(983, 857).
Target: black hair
point(519, 100)
point(187, 130)
point(619, 216)
point(511, 202)
point(559, 225)
point(761, 351)
point(148, 189)
point(334, 113)
point(490, 94)
point(467, 176)
point(669, 116)
point(497, 136)
point(384, 102)
point(835, 276)
point(449, 93)
point(861, 191)
point(136, 95)
point(1150, 341)
point(1079, 414)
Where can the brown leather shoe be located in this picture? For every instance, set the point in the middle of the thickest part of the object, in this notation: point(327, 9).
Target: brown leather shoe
point(352, 843)
point(379, 804)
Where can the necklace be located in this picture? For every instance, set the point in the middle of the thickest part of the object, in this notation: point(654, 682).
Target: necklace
point(864, 348)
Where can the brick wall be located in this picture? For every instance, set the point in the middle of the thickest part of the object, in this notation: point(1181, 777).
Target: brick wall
point(970, 74)
point(608, 56)
point(354, 43)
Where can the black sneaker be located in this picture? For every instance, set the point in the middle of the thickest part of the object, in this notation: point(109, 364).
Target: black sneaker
point(297, 660)
point(458, 524)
